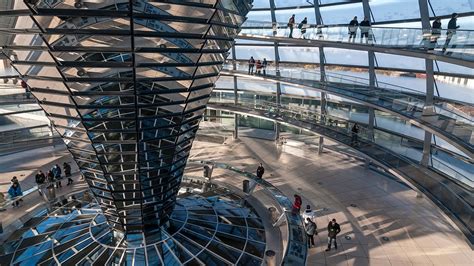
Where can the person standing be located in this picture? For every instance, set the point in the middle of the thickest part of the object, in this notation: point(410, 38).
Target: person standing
point(353, 25)
point(291, 24)
point(354, 134)
point(57, 175)
point(15, 192)
point(251, 65)
point(264, 66)
point(452, 27)
point(260, 171)
point(296, 204)
point(333, 230)
point(40, 178)
point(364, 29)
point(302, 26)
point(435, 32)
point(67, 173)
point(310, 228)
point(15, 180)
point(309, 213)
point(259, 67)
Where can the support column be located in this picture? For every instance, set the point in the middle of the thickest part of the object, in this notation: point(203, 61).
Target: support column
point(426, 149)
point(236, 95)
point(321, 145)
point(371, 123)
point(371, 54)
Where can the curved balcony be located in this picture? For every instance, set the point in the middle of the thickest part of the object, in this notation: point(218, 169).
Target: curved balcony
point(400, 41)
point(451, 126)
point(453, 197)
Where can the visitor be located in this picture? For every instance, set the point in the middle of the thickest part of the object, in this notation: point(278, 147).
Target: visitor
point(435, 32)
point(364, 29)
point(264, 66)
point(40, 178)
point(15, 180)
point(353, 25)
point(56, 170)
point(308, 213)
point(67, 173)
point(452, 27)
point(302, 26)
point(310, 228)
point(354, 134)
point(333, 230)
point(253, 183)
point(259, 67)
point(50, 177)
point(15, 192)
point(251, 65)
point(296, 204)
point(260, 171)
point(291, 24)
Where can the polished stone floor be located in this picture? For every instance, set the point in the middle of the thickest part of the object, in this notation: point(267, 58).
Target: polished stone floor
point(383, 220)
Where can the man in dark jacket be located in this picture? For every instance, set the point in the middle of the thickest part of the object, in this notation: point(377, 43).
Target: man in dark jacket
point(354, 134)
point(40, 178)
point(67, 173)
point(365, 29)
point(435, 32)
point(310, 228)
point(333, 230)
point(251, 65)
point(291, 24)
point(452, 27)
point(353, 25)
point(260, 170)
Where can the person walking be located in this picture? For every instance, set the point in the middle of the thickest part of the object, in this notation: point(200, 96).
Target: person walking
point(310, 228)
point(333, 230)
point(435, 32)
point(57, 175)
point(251, 65)
point(67, 173)
point(40, 178)
point(15, 192)
point(296, 204)
point(264, 66)
point(354, 134)
point(302, 26)
point(291, 24)
point(452, 27)
point(260, 171)
point(259, 67)
point(364, 29)
point(353, 25)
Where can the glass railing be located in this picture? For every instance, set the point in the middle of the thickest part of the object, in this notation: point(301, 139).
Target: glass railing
point(402, 146)
point(457, 45)
point(295, 247)
point(446, 121)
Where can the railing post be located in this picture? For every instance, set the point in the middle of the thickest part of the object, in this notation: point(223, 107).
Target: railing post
point(236, 95)
point(426, 149)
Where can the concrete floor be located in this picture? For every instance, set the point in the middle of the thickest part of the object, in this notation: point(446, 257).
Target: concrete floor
point(418, 233)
